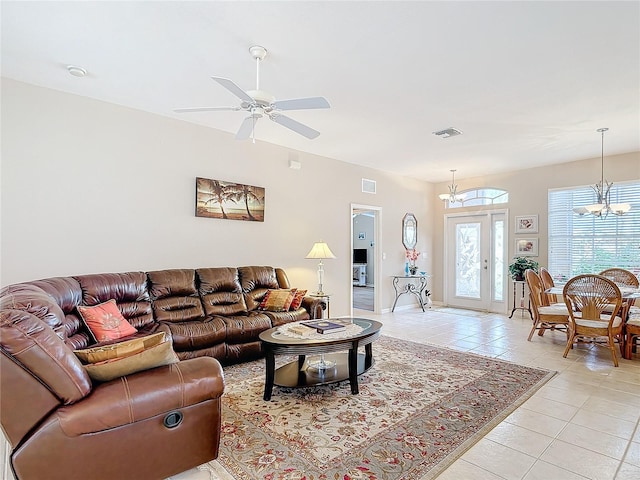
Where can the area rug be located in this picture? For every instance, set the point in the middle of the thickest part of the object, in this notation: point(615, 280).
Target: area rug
point(419, 408)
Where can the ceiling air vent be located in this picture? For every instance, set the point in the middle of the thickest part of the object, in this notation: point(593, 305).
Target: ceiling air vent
point(448, 132)
point(368, 186)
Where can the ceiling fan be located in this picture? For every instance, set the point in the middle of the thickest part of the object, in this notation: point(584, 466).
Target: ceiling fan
point(259, 103)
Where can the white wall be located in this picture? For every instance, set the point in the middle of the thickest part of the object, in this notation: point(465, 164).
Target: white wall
point(90, 187)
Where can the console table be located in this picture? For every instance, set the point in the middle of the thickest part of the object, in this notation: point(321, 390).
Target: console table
point(413, 284)
point(519, 302)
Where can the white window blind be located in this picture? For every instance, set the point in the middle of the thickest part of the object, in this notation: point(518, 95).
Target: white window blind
point(588, 244)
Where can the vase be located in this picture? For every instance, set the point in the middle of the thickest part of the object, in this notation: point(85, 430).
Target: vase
point(413, 270)
point(406, 268)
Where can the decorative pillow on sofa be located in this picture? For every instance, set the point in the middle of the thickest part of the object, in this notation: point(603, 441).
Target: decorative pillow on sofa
point(297, 299)
point(107, 362)
point(277, 300)
point(105, 322)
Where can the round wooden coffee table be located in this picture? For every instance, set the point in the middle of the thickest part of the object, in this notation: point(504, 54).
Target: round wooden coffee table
point(348, 365)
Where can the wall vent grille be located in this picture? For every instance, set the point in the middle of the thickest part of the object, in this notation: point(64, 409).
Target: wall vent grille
point(368, 186)
point(448, 132)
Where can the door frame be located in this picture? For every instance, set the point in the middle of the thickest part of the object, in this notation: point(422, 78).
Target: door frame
point(377, 216)
point(449, 243)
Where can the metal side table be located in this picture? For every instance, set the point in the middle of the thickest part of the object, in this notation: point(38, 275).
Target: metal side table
point(519, 303)
point(412, 284)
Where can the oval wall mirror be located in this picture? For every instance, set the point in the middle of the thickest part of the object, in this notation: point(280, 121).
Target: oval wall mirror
point(409, 231)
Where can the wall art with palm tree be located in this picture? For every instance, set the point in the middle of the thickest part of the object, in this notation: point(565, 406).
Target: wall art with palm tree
point(233, 201)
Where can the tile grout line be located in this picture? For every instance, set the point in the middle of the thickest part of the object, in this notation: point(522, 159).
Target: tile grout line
point(626, 450)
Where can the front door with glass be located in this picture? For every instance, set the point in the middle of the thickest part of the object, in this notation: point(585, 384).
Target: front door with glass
point(474, 261)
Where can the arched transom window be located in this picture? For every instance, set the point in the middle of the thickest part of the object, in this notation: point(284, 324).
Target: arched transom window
point(479, 196)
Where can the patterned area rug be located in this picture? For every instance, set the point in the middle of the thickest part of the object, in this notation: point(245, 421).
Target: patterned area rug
point(419, 408)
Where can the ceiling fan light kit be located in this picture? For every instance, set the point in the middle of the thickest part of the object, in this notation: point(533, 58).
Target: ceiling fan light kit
point(259, 103)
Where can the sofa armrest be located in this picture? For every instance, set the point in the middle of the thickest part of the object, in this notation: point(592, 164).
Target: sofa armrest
point(315, 306)
point(163, 327)
point(142, 395)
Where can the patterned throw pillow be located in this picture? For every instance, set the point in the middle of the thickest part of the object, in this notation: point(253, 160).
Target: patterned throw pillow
point(106, 322)
point(277, 300)
point(119, 359)
point(297, 299)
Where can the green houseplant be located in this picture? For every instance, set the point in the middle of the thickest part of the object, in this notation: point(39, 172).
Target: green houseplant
point(519, 265)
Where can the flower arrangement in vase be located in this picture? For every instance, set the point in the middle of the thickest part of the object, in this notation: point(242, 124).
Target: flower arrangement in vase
point(412, 255)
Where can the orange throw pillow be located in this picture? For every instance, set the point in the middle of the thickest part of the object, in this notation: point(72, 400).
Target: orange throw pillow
point(106, 322)
point(297, 299)
point(277, 300)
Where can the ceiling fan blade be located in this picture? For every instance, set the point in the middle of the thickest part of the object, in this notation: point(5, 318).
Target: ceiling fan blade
point(302, 103)
point(295, 126)
point(233, 88)
point(246, 128)
point(205, 109)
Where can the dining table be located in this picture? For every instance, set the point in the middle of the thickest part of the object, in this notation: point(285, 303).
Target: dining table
point(628, 293)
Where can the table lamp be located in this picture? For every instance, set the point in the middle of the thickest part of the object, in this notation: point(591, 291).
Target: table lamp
point(320, 250)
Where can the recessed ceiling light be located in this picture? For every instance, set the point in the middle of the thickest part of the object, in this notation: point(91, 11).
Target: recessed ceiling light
point(76, 71)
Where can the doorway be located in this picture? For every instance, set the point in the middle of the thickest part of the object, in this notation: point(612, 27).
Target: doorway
point(364, 266)
point(475, 252)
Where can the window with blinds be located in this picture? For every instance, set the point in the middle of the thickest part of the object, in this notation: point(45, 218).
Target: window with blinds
point(588, 244)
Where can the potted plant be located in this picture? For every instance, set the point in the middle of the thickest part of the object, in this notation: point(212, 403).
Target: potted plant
point(519, 265)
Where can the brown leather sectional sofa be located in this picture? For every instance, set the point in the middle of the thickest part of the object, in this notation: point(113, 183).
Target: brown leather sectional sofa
point(62, 425)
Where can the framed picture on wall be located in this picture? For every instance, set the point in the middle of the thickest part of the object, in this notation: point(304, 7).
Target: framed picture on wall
point(527, 246)
point(527, 224)
point(228, 200)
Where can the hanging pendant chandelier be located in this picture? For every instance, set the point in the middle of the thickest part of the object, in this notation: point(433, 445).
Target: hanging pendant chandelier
point(452, 196)
point(603, 205)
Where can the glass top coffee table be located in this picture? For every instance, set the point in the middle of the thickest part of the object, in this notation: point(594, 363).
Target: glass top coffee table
point(360, 332)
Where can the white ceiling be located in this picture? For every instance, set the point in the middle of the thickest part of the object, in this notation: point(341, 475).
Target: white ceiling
point(528, 83)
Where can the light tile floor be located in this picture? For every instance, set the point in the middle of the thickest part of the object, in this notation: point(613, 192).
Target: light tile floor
point(583, 424)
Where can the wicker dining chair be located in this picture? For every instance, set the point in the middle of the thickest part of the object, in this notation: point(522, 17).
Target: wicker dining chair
point(632, 332)
point(621, 277)
point(547, 283)
point(587, 298)
point(545, 316)
point(631, 329)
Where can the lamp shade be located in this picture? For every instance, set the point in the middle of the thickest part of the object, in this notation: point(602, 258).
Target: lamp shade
point(595, 208)
point(580, 210)
point(620, 208)
point(320, 250)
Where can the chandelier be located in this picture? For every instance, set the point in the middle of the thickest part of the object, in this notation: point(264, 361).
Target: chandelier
point(603, 205)
point(452, 196)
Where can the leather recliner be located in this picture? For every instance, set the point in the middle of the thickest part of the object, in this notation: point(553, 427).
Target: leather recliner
point(152, 424)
